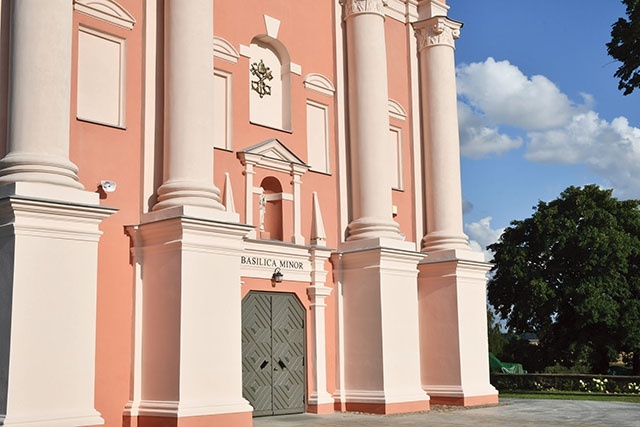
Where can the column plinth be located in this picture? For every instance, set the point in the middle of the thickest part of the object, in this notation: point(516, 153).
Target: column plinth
point(453, 329)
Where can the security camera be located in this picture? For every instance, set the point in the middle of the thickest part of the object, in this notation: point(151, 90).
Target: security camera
point(108, 186)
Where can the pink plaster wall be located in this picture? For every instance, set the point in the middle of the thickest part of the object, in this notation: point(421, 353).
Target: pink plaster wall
point(103, 152)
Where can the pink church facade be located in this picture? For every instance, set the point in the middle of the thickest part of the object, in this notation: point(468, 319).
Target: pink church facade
point(213, 210)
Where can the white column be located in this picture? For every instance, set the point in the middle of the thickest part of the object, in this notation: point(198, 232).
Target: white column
point(451, 281)
point(188, 106)
point(369, 121)
point(40, 81)
point(443, 193)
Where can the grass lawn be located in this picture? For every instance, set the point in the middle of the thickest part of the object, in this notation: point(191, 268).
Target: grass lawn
point(571, 395)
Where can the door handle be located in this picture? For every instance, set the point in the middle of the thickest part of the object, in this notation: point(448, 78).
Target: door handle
point(282, 365)
point(263, 364)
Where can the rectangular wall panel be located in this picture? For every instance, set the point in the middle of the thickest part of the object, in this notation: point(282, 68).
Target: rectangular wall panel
point(100, 78)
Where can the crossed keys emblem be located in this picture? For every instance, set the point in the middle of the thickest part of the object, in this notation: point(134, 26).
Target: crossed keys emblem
point(262, 72)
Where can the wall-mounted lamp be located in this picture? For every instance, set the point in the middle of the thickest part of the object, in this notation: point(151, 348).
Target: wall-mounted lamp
point(277, 276)
point(108, 186)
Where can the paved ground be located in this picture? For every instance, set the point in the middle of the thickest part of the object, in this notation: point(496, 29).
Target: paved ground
point(510, 413)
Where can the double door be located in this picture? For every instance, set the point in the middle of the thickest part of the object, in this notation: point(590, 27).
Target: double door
point(273, 346)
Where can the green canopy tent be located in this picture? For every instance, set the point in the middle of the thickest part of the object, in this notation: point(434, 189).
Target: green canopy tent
point(495, 365)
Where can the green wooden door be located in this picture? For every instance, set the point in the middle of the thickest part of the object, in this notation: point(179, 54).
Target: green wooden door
point(273, 338)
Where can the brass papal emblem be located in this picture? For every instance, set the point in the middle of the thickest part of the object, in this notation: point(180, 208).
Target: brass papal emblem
point(263, 73)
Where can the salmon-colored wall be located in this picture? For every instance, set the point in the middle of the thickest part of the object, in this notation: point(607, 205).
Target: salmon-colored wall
point(103, 152)
point(399, 73)
point(303, 31)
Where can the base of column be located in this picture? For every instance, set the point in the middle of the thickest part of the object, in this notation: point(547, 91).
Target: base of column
point(54, 420)
point(388, 408)
point(490, 399)
point(188, 193)
point(190, 263)
point(381, 338)
point(461, 396)
point(238, 419)
point(373, 228)
point(39, 168)
point(48, 289)
point(326, 408)
point(453, 333)
point(438, 241)
point(379, 402)
point(320, 404)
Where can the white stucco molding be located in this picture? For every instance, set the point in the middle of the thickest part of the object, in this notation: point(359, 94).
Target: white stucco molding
point(224, 50)
point(402, 10)
point(356, 7)
point(437, 31)
point(274, 155)
point(396, 111)
point(429, 8)
point(319, 83)
point(106, 10)
point(272, 26)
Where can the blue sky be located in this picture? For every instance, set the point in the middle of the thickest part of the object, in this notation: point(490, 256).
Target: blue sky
point(539, 107)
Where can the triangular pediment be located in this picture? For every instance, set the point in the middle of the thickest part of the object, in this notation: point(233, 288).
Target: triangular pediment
point(272, 154)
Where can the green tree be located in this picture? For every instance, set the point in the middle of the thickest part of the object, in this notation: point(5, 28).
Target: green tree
point(497, 339)
point(571, 274)
point(625, 47)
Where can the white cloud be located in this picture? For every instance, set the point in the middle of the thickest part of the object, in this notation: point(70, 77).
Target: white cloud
point(501, 109)
point(482, 235)
point(611, 150)
point(478, 139)
point(506, 95)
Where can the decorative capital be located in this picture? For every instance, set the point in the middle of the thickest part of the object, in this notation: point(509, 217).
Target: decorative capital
point(355, 7)
point(437, 31)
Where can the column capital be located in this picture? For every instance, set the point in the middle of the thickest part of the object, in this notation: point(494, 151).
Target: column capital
point(437, 31)
point(356, 7)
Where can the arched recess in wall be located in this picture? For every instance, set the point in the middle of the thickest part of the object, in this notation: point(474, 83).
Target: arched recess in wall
point(270, 83)
point(271, 206)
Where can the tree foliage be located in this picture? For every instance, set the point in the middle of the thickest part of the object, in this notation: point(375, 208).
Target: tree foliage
point(625, 47)
point(571, 274)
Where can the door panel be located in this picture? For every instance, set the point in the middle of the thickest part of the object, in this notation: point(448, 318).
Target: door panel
point(273, 372)
point(288, 355)
point(256, 353)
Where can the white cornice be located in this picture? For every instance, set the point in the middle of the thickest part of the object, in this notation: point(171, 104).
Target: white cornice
point(224, 50)
point(106, 10)
point(319, 83)
point(396, 111)
point(274, 155)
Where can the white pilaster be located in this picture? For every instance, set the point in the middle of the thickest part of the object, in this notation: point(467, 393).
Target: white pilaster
point(369, 121)
point(443, 193)
point(39, 100)
point(296, 182)
point(318, 292)
point(188, 107)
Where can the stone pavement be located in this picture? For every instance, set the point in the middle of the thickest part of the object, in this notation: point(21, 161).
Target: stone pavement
point(510, 413)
